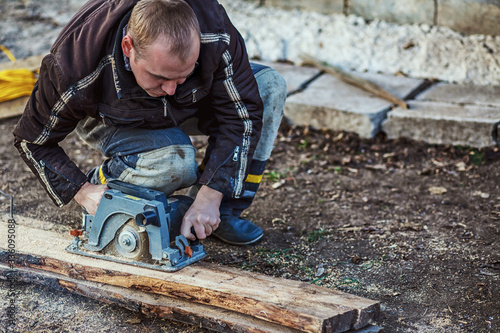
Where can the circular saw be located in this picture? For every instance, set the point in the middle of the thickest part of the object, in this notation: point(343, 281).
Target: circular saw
point(138, 226)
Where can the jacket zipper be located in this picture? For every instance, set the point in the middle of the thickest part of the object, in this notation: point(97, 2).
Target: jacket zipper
point(165, 107)
point(238, 186)
point(235, 153)
point(194, 95)
point(165, 110)
point(164, 100)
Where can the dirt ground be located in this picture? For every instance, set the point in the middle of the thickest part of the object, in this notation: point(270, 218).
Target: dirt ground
point(412, 225)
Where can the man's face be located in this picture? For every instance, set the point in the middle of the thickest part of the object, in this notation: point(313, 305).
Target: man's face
point(157, 71)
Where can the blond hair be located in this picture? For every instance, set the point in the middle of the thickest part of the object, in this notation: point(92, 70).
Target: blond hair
point(173, 19)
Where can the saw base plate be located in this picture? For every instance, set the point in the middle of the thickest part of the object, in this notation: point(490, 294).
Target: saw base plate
point(72, 248)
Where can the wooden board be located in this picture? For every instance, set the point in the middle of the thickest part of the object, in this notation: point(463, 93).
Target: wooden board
point(31, 63)
point(16, 106)
point(164, 307)
point(13, 107)
point(285, 303)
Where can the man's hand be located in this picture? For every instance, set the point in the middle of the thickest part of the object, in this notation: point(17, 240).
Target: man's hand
point(89, 196)
point(203, 215)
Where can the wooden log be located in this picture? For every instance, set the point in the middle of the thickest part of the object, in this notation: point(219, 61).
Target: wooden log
point(292, 304)
point(13, 107)
point(164, 307)
point(354, 80)
point(32, 63)
point(16, 106)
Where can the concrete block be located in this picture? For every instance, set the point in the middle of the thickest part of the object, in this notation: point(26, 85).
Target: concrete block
point(409, 11)
point(294, 76)
point(330, 103)
point(445, 123)
point(322, 6)
point(471, 16)
point(462, 94)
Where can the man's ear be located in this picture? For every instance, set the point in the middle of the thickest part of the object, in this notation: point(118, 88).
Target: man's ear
point(127, 45)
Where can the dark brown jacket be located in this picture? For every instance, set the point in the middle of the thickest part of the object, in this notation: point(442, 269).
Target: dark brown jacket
point(84, 75)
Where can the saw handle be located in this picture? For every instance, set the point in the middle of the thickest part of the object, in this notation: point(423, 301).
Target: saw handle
point(147, 217)
point(138, 191)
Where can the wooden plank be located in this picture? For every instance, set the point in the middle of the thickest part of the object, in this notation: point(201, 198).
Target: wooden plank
point(164, 307)
point(16, 106)
point(32, 63)
point(13, 107)
point(291, 304)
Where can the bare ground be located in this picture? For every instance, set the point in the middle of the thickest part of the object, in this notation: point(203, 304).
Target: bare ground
point(413, 225)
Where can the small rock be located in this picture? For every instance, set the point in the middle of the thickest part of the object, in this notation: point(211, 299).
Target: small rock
point(133, 321)
point(320, 272)
point(30, 304)
point(481, 194)
point(437, 190)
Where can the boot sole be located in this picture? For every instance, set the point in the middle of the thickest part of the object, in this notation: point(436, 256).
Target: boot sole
point(239, 243)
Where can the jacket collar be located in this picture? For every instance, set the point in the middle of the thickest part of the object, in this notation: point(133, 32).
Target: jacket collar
point(125, 83)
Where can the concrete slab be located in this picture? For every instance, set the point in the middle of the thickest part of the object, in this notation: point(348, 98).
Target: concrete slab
point(323, 6)
point(406, 12)
point(445, 123)
point(398, 85)
point(462, 94)
point(470, 16)
point(330, 103)
point(294, 76)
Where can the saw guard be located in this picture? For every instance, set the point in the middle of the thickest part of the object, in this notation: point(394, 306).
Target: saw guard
point(131, 241)
point(146, 208)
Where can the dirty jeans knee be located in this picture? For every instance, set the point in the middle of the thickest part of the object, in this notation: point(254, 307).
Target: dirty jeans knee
point(166, 169)
point(272, 90)
point(162, 159)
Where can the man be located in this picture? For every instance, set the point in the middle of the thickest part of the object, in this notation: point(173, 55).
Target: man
point(132, 77)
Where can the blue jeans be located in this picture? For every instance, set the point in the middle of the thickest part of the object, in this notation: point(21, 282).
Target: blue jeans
point(164, 159)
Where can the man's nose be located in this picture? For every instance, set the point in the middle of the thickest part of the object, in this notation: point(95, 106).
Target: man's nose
point(169, 87)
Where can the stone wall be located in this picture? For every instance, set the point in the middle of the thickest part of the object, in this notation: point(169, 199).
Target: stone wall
point(351, 42)
point(466, 16)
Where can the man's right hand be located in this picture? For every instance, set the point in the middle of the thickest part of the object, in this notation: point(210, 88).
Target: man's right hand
point(203, 215)
point(89, 196)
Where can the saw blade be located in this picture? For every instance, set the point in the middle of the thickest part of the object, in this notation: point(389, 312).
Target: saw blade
point(131, 242)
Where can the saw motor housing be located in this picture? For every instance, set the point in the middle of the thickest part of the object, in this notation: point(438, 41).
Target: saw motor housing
point(160, 217)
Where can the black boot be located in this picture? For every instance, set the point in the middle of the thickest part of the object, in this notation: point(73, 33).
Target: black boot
point(233, 229)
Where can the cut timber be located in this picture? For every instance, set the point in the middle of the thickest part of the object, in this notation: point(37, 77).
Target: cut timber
point(32, 63)
point(155, 305)
point(16, 106)
point(13, 107)
point(284, 303)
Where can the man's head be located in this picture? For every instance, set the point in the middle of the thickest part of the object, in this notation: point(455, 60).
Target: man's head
point(162, 43)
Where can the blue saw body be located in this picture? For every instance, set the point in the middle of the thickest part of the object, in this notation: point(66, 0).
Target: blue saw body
point(138, 226)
